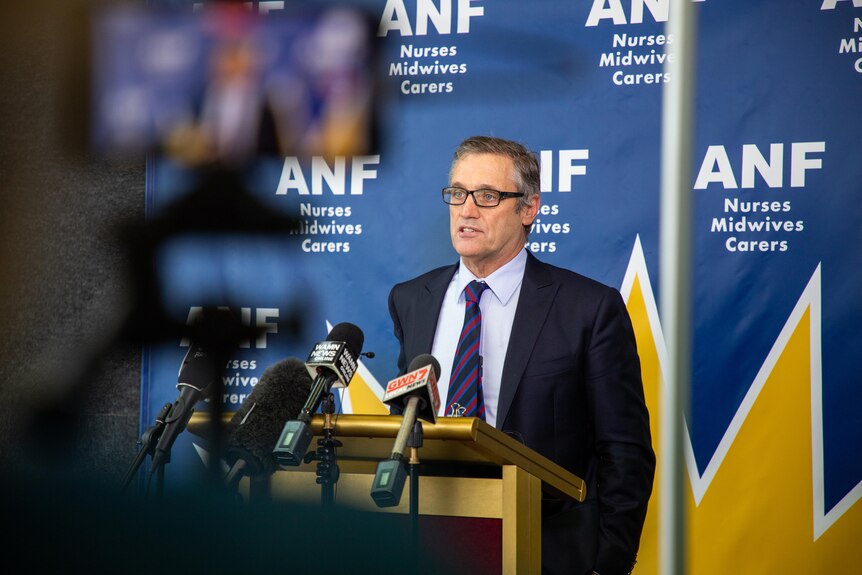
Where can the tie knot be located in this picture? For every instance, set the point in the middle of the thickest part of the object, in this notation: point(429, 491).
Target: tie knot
point(474, 290)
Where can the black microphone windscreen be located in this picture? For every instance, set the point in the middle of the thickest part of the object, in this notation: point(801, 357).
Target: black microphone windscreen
point(349, 334)
point(422, 361)
point(256, 426)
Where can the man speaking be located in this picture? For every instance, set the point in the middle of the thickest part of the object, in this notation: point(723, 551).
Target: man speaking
point(542, 353)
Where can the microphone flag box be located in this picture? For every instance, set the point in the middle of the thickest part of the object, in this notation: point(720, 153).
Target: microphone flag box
point(421, 380)
point(335, 356)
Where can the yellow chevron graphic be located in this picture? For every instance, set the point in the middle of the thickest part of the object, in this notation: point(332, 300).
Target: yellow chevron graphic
point(758, 507)
point(651, 374)
point(361, 397)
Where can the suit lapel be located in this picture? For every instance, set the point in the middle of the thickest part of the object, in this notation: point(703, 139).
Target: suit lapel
point(428, 311)
point(534, 303)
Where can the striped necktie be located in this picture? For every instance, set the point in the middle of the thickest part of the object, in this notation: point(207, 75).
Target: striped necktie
point(465, 386)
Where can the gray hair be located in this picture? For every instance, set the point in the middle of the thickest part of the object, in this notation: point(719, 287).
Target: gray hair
point(526, 167)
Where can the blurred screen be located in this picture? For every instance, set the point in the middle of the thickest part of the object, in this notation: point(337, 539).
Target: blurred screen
point(226, 85)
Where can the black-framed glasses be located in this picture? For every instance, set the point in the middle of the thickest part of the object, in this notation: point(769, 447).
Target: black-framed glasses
point(483, 198)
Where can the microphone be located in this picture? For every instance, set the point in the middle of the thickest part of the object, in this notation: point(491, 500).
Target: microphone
point(416, 394)
point(331, 363)
point(148, 443)
point(257, 424)
point(195, 382)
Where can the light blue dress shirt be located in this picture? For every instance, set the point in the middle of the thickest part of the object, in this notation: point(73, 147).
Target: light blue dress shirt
point(498, 305)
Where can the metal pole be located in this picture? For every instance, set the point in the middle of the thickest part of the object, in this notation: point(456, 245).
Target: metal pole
point(675, 280)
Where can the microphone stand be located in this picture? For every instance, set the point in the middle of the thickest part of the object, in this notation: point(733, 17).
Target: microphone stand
point(327, 467)
point(160, 476)
point(148, 444)
point(415, 441)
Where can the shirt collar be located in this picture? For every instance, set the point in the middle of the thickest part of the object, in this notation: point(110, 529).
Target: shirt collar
point(503, 282)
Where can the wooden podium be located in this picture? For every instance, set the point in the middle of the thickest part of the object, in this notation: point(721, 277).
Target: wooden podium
point(470, 469)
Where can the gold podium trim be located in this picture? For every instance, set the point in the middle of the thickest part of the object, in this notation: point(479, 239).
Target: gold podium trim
point(454, 439)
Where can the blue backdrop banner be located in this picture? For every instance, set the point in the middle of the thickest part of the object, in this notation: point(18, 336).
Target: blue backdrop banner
point(777, 191)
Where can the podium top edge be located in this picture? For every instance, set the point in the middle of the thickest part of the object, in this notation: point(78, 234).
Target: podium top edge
point(496, 446)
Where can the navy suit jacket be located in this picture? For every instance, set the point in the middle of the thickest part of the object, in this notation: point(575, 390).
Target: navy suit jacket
point(571, 390)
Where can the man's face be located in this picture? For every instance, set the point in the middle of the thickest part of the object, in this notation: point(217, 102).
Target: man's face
point(487, 238)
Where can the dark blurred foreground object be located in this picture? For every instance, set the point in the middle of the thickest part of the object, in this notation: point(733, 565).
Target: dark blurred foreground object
point(219, 203)
point(51, 527)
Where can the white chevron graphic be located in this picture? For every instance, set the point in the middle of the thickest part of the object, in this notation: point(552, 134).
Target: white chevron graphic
point(810, 298)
